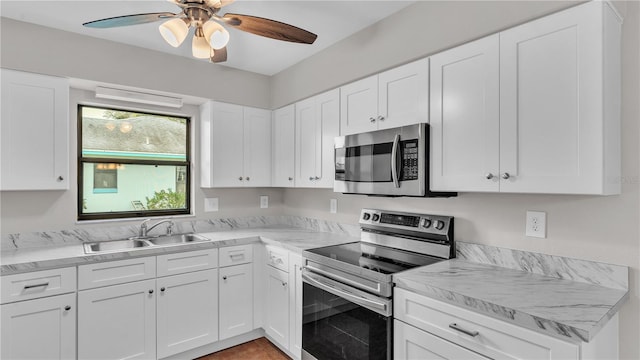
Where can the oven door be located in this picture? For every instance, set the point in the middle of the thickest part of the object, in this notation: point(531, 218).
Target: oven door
point(340, 322)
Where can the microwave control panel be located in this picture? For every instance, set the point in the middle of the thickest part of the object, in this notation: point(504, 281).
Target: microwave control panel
point(409, 167)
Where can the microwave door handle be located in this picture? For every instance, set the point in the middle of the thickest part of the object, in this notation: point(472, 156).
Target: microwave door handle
point(394, 161)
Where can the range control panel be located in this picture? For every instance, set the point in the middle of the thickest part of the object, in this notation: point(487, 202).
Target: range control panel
point(393, 220)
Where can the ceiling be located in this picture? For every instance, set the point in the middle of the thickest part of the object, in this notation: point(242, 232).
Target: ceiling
point(332, 21)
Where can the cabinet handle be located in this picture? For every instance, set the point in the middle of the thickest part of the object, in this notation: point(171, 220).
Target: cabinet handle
point(380, 118)
point(284, 284)
point(506, 176)
point(151, 291)
point(26, 287)
point(248, 178)
point(162, 289)
point(311, 178)
point(455, 327)
point(60, 178)
point(67, 308)
point(489, 176)
point(240, 178)
point(290, 178)
point(372, 119)
point(224, 278)
point(317, 178)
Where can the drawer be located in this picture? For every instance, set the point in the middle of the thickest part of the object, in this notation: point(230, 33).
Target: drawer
point(234, 255)
point(278, 257)
point(494, 338)
point(116, 272)
point(185, 262)
point(38, 284)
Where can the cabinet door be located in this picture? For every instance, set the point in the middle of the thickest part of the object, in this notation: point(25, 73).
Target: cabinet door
point(277, 303)
point(465, 117)
point(328, 117)
point(359, 106)
point(40, 329)
point(187, 311)
point(403, 95)
point(227, 142)
point(257, 147)
point(411, 343)
point(34, 132)
point(284, 147)
point(551, 88)
point(236, 300)
point(295, 305)
point(307, 142)
point(118, 322)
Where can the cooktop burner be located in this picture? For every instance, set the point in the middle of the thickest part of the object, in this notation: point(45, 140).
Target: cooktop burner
point(381, 259)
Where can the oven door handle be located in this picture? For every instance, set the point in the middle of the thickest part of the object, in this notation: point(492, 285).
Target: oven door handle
point(342, 279)
point(379, 307)
point(394, 161)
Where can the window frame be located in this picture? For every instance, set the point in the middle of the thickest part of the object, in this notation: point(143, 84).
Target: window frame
point(133, 214)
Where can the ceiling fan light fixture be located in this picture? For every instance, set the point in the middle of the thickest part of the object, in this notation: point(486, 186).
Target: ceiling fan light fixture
point(216, 34)
point(200, 47)
point(174, 31)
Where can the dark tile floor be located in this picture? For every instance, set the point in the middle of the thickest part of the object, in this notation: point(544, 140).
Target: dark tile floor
point(258, 349)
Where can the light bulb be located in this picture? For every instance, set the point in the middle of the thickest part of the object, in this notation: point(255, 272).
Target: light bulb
point(216, 35)
point(174, 31)
point(200, 48)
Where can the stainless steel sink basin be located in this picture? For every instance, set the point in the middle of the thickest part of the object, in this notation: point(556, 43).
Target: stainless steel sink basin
point(115, 245)
point(140, 243)
point(177, 239)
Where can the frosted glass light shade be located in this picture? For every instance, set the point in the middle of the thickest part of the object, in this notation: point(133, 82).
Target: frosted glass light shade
point(200, 48)
point(174, 31)
point(216, 35)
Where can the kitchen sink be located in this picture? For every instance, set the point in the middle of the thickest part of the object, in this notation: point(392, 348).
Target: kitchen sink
point(140, 243)
point(115, 245)
point(177, 239)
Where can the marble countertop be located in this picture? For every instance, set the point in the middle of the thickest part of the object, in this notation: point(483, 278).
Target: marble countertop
point(50, 257)
point(559, 307)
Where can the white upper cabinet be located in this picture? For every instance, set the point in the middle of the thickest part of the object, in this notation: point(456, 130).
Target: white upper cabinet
point(465, 110)
point(235, 146)
point(284, 147)
point(317, 124)
point(34, 132)
point(396, 97)
point(542, 116)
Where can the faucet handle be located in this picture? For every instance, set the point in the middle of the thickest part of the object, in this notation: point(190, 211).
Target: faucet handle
point(170, 228)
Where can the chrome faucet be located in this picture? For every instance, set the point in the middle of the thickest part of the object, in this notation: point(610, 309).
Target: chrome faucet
point(144, 229)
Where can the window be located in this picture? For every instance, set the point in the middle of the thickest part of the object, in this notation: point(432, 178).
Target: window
point(132, 164)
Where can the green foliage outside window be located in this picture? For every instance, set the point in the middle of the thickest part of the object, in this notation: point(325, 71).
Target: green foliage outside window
point(166, 200)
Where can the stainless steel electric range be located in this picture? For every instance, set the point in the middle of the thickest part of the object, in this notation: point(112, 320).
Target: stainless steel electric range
point(348, 288)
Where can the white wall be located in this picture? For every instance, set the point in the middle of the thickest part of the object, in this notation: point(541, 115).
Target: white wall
point(588, 227)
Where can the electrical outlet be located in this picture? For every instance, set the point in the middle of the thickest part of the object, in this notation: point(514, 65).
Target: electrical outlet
point(264, 201)
point(536, 224)
point(210, 204)
point(333, 206)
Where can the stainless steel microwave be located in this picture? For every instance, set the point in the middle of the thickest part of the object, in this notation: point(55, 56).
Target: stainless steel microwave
point(390, 162)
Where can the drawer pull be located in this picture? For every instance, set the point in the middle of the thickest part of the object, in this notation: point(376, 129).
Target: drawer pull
point(36, 286)
point(67, 308)
point(236, 256)
point(455, 327)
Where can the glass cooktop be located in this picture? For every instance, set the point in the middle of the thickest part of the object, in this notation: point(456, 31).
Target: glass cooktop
point(376, 258)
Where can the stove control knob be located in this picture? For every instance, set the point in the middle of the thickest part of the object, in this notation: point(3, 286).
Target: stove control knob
point(376, 217)
point(366, 216)
point(439, 225)
point(426, 223)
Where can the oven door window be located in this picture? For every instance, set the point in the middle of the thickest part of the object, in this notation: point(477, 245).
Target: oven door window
point(335, 328)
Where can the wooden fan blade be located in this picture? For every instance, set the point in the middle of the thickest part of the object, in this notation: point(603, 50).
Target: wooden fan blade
point(219, 55)
point(269, 28)
point(127, 20)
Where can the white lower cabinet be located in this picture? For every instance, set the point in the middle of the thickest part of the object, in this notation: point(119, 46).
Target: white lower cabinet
point(277, 302)
point(412, 343)
point(295, 305)
point(236, 300)
point(426, 328)
point(40, 329)
point(187, 314)
point(118, 321)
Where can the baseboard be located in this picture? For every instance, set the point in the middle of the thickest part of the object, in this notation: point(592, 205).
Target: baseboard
point(219, 345)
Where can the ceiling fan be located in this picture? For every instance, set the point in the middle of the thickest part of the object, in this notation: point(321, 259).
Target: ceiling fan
point(210, 37)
